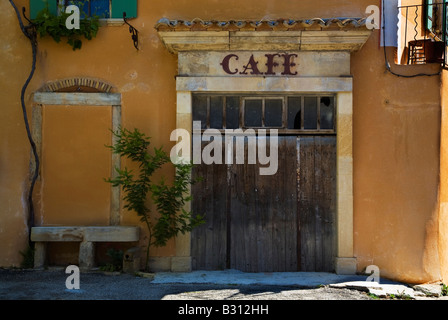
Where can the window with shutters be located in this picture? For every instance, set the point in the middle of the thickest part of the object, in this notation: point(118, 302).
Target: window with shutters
point(105, 9)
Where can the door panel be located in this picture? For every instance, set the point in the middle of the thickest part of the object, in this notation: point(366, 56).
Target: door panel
point(209, 247)
point(279, 223)
point(264, 215)
point(317, 202)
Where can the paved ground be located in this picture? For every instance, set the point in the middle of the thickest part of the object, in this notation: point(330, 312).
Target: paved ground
point(220, 285)
point(196, 295)
point(51, 285)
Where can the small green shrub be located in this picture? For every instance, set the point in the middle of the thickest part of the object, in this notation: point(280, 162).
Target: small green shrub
point(116, 263)
point(373, 296)
point(399, 296)
point(138, 187)
point(27, 258)
point(444, 290)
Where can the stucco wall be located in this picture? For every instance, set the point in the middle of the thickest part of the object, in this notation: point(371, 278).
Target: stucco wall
point(73, 150)
point(15, 63)
point(396, 124)
point(443, 197)
point(396, 164)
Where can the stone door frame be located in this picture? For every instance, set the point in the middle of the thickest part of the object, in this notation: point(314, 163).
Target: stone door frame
point(343, 89)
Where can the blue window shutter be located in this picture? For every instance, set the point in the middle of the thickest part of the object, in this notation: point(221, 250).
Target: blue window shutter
point(82, 5)
point(38, 5)
point(120, 6)
point(100, 8)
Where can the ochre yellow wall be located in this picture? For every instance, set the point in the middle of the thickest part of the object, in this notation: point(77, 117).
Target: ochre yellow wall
point(15, 63)
point(396, 163)
point(443, 196)
point(73, 149)
point(396, 125)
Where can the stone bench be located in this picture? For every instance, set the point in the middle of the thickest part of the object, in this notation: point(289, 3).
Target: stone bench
point(85, 235)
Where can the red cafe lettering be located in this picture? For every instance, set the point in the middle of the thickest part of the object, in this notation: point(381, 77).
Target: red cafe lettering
point(230, 66)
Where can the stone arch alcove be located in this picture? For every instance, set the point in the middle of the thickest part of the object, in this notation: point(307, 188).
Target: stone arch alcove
point(77, 84)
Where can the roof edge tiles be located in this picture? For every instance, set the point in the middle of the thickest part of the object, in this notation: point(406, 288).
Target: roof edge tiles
point(198, 24)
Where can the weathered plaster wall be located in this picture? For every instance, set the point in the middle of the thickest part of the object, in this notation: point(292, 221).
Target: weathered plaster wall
point(396, 124)
point(73, 150)
point(443, 196)
point(15, 63)
point(396, 165)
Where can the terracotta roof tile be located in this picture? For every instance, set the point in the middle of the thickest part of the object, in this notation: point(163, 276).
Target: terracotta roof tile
point(197, 24)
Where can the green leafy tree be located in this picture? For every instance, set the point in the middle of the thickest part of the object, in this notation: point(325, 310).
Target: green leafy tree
point(170, 200)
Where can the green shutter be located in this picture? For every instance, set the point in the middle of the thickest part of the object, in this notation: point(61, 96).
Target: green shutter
point(38, 5)
point(120, 6)
point(430, 15)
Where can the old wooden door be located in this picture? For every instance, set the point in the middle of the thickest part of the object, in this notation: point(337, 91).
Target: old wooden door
point(316, 193)
point(283, 222)
point(268, 223)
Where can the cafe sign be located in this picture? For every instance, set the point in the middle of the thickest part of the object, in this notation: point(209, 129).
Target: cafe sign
point(264, 64)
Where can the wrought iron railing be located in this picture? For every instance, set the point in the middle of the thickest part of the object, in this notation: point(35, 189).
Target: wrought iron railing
point(423, 34)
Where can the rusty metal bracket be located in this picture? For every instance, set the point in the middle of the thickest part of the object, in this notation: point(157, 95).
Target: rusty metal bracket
point(133, 31)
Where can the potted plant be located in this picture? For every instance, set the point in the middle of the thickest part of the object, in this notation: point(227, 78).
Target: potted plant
point(137, 187)
point(49, 24)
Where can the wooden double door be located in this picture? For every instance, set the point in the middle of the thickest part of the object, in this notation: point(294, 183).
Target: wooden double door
point(269, 223)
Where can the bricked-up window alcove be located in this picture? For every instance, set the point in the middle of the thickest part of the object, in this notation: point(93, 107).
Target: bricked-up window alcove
point(84, 105)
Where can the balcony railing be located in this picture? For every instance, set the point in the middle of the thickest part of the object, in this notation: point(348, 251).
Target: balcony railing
point(422, 33)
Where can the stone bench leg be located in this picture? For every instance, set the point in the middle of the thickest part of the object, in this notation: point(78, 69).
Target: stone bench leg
point(86, 255)
point(40, 253)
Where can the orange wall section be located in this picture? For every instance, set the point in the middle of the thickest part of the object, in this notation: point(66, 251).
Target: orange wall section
point(15, 64)
point(396, 167)
point(443, 197)
point(74, 164)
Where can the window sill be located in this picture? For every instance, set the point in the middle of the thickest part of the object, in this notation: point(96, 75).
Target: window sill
point(111, 22)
